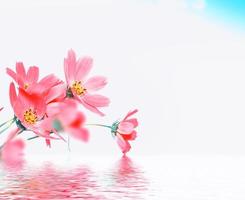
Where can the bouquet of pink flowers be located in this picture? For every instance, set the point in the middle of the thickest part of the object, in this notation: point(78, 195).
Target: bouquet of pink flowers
point(50, 107)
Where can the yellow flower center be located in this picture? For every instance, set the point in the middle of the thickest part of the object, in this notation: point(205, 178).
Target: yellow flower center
point(26, 85)
point(30, 116)
point(78, 88)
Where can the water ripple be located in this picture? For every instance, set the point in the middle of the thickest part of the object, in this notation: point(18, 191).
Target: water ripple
point(123, 181)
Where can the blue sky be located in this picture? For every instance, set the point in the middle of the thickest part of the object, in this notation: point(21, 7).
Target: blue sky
point(230, 11)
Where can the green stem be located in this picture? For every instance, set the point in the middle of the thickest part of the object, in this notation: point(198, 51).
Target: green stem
point(101, 125)
point(34, 137)
point(9, 124)
point(6, 122)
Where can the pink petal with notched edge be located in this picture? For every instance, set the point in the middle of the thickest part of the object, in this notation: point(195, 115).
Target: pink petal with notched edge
point(133, 121)
point(83, 67)
point(12, 94)
point(95, 83)
point(78, 133)
point(96, 100)
point(90, 107)
point(32, 75)
point(71, 65)
point(130, 114)
point(20, 70)
point(123, 144)
point(125, 127)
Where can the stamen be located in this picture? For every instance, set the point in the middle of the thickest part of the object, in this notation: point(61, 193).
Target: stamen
point(30, 116)
point(78, 88)
point(26, 85)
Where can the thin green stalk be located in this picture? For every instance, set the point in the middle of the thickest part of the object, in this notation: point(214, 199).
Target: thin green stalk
point(34, 137)
point(6, 122)
point(9, 124)
point(102, 125)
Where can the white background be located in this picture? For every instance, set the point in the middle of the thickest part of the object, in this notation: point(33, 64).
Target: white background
point(183, 70)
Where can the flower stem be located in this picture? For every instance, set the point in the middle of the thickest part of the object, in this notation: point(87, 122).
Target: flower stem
point(34, 137)
point(9, 123)
point(6, 122)
point(101, 125)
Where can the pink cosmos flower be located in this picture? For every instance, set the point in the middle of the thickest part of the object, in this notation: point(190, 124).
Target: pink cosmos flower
point(29, 110)
point(124, 131)
point(81, 88)
point(28, 81)
point(65, 117)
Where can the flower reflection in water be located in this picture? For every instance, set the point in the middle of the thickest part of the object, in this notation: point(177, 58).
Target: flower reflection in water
point(123, 181)
point(128, 180)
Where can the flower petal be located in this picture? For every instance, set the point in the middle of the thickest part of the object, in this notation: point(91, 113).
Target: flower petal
point(96, 100)
point(20, 70)
point(83, 67)
point(130, 136)
point(90, 107)
point(12, 74)
point(130, 114)
point(78, 121)
point(79, 133)
point(32, 74)
point(70, 65)
point(133, 121)
point(48, 143)
point(12, 94)
point(58, 91)
point(95, 83)
point(125, 127)
point(45, 84)
point(123, 144)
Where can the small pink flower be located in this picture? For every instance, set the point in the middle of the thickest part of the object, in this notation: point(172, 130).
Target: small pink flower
point(124, 131)
point(64, 117)
point(28, 108)
point(81, 88)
